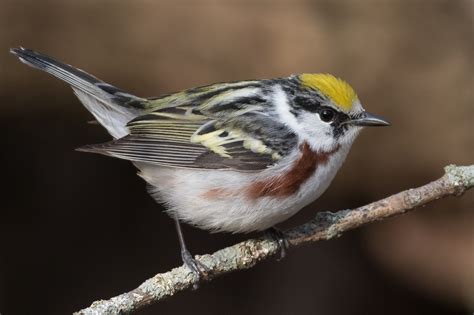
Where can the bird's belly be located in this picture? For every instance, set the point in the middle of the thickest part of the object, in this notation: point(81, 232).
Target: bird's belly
point(220, 200)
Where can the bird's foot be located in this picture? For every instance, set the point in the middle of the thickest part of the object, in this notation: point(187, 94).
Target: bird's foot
point(280, 238)
point(198, 269)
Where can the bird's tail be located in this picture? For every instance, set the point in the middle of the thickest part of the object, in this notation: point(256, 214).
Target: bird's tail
point(112, 107)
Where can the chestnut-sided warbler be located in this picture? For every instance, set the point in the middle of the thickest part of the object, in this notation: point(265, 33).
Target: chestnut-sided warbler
point(234, 157)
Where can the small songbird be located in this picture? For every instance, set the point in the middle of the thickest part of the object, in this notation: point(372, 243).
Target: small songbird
point(233, 157)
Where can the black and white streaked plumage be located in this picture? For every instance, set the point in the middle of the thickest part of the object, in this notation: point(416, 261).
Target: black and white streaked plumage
point(234, 157)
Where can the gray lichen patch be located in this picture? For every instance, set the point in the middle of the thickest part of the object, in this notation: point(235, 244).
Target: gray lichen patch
point(461, 176)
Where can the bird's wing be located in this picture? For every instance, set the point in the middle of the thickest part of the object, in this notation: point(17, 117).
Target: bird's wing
point(223, 126)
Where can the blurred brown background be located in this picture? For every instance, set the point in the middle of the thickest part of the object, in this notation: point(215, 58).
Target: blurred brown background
point(76, 227)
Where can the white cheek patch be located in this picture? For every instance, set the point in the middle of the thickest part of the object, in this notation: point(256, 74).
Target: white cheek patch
point(317, 133)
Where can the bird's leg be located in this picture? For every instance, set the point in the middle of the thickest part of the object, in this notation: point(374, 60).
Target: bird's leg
point(198, 269)
point(281, 240)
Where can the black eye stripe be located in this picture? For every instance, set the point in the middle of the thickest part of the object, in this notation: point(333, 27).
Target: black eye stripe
point(340, 118)
point(309, 104)
point(313, 104)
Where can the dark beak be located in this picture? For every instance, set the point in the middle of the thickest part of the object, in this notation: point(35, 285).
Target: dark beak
point(368, 120)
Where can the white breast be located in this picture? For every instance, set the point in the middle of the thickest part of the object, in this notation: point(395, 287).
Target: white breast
point(216, 200)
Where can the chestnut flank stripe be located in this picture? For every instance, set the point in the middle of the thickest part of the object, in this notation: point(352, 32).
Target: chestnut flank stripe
point(289, 183)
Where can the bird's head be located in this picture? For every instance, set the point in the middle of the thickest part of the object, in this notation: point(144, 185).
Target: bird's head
point(327, 111)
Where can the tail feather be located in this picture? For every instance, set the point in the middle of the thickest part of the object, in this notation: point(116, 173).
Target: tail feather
point(112, 107)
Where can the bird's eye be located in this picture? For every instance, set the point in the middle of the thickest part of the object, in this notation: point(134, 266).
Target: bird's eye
point(327, 114)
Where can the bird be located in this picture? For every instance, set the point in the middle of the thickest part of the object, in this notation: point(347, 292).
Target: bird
point(233, 157)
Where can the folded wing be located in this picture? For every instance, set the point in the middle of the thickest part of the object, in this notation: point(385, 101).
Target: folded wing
point(214, 127)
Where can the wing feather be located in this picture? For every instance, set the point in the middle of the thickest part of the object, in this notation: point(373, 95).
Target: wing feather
point(215, 127)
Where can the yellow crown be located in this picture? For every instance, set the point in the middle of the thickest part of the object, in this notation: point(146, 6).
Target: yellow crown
point(339, 91)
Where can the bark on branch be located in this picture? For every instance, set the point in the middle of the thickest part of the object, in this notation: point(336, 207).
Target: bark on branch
point(325, 226)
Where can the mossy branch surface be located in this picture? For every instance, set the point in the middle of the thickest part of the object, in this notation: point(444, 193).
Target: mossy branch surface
point(245, 255)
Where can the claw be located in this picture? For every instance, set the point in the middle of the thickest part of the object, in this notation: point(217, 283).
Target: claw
point(281, 240)
point(197, 268)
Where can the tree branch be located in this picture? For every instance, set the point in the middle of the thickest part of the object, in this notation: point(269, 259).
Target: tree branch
point(325, 226)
